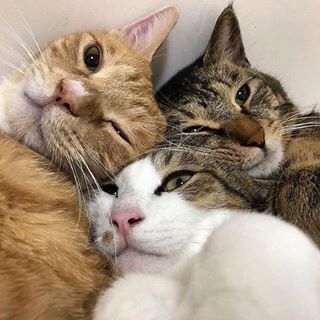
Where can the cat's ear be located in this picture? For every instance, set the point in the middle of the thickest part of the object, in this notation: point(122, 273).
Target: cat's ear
point(226, 41)
point(147, 34)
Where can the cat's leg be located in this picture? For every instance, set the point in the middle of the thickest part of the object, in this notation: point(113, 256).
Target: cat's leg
point(296, 198)
point(139, 297)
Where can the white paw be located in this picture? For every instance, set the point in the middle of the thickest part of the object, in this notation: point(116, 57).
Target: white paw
point(138, 297)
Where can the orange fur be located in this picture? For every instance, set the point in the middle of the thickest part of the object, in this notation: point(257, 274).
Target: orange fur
point(47, 268)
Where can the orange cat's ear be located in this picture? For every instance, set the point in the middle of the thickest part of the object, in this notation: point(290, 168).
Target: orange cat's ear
point(147, 34)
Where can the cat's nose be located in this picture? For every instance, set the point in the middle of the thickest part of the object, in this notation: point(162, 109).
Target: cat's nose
point(247, 131)
point(67, 97)
point(126, 219)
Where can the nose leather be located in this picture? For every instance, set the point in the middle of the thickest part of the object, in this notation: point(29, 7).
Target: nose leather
point(124, 220)
point(247, 131)
point(67, 97)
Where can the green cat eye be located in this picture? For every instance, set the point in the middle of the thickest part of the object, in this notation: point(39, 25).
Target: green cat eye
point(174, 181)
point(91, 58)
point(242, 95)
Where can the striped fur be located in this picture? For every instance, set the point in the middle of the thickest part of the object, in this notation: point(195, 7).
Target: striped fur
point(201, 98)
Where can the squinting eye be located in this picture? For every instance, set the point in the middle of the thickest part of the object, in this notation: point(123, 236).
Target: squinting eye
point(110, 189)
point(242, 95)
point(176, 180)
point(91, 58)
point(208, 130)
point(194, 129)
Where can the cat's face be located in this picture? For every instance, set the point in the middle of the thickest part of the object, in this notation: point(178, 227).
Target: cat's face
point(160, 205)
point(222, 107)
point(86, 101)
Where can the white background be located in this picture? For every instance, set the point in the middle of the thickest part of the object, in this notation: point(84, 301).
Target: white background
point(281, 37)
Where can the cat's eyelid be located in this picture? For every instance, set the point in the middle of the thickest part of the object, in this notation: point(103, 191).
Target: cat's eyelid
point(117, 128)
point(247, 81)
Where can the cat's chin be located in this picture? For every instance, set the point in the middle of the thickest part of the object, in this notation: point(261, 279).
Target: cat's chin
point(131, 260)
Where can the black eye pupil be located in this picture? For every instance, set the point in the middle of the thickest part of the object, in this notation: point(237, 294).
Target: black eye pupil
point(110, 189)
point(179, 182)
point(243, 94)
point(92, 60)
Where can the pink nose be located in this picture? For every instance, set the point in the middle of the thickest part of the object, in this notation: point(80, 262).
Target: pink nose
point(66, 97)
point(124, 220)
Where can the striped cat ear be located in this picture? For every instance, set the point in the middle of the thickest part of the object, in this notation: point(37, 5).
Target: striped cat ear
point(147, 34)
point(226, 41)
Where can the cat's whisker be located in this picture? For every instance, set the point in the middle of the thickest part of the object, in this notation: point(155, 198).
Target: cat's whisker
point(301, 126)
point(99, 164)
point(10, 65)
point(166, 100)
point(78, 187)
point(31, 33)
point(24, 63)
point(15, 36)
point(98, 188)
point(157, 56)
point(82, 160)
point(298, 120)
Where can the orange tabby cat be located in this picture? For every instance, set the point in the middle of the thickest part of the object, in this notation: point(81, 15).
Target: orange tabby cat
point(86, 104)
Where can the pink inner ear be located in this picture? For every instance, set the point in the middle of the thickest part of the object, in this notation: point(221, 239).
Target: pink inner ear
point(147, 34)
point(140, 28)
point(138, 32)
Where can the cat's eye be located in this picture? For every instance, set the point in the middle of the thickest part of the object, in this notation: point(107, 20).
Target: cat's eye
point(120, 132)
point(117, 129)
point(174, 181)
point(242, 95)
point(194, 129)
point(110, 188)
point(198, 129)
point(92, 58)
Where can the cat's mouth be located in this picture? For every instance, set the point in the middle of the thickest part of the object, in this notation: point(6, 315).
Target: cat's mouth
point(49, 104)
point(265, 161)
point(137, 251)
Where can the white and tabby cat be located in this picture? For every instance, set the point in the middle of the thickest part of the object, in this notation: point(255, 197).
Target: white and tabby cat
point(183, 256)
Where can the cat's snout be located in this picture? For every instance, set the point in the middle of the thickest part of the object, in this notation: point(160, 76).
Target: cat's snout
point(66, 95)
point(247, 131)
point(124, 220)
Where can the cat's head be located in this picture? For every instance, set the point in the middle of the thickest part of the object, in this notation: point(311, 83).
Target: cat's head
point(86, 100)
point(160, 205)
point(223, 107)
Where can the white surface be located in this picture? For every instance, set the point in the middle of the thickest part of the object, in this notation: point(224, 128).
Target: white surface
point(281, 37)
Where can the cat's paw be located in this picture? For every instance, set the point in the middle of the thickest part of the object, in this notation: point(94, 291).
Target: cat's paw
point(138, 297)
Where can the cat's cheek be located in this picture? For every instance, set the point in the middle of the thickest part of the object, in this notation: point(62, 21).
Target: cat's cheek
point(23, 119)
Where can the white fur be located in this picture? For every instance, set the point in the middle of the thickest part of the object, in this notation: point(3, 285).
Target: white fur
point(271, 160)
point(22, 101)
point(202, 264)
point(170, 222)
point(77, 88)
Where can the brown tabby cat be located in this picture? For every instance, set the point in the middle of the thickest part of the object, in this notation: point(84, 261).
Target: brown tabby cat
point(86, 103)
point(222, 108)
